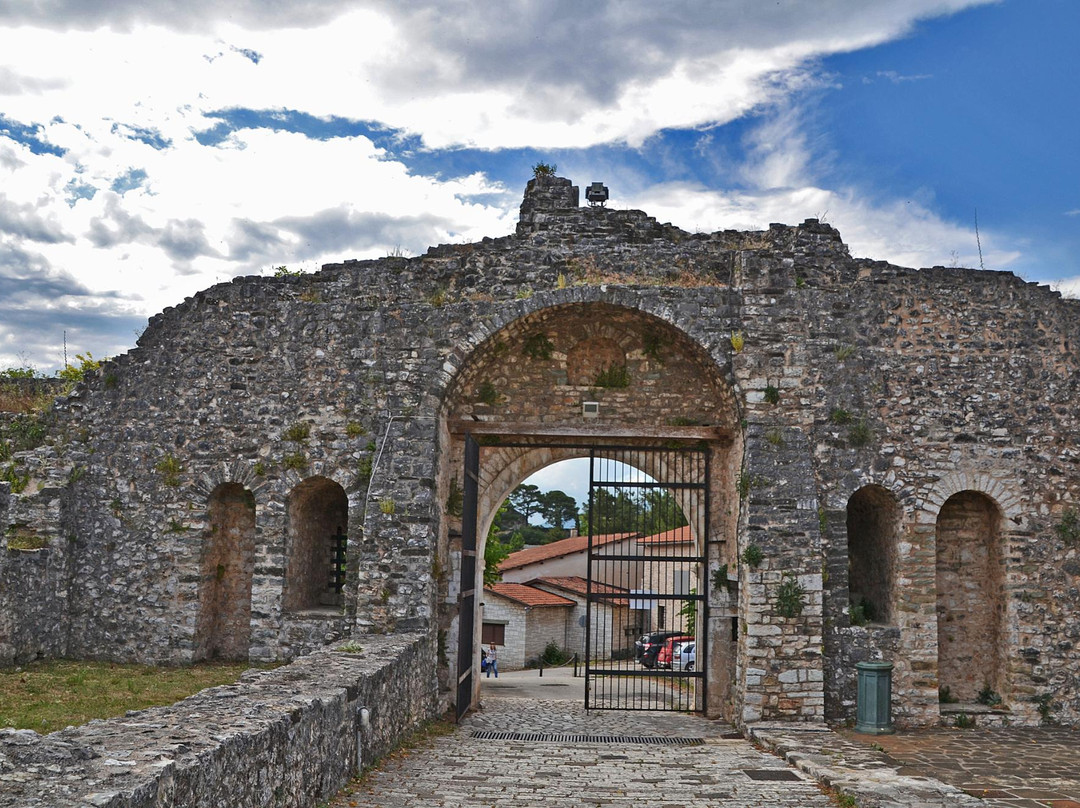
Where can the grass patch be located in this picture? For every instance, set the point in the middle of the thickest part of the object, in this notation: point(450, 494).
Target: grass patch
point(48, 696)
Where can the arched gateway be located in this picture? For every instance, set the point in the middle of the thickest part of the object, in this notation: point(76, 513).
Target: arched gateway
point(874, 463)
point(620, 386)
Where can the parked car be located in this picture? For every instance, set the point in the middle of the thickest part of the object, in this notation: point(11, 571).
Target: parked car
point(683, 656)
point(667, 651)
point(648, 645)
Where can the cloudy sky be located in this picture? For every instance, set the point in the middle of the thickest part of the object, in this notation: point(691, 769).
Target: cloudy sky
point(149, 149)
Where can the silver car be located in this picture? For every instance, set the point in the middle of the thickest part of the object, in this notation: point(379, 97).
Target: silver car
point(683, 656)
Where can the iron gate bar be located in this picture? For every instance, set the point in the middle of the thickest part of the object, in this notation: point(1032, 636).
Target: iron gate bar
point(680, 472)
point(692, 456)
point(467, 611)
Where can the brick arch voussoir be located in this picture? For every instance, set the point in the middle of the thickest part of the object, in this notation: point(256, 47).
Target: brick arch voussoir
point(898, 489)
point(1002, 493)
point(717, 350)
point(237, 472)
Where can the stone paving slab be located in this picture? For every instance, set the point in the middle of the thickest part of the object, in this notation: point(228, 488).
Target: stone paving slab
point(1023, 767)
point(461, 770)
point(940, 768)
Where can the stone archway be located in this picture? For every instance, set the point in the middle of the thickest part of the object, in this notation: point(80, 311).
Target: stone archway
point(873, 527)
point(223, 626)
point(318, 523)
point(590, 375)
point(970, 595)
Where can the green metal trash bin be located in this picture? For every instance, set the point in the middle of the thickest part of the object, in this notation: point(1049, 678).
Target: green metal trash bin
point(874, 713)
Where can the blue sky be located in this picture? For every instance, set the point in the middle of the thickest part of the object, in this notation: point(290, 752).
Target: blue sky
point(150, 149)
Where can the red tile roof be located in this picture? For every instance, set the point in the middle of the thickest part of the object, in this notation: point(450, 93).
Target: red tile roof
point(528, 595)
point(679, 535)
point(557, 549)
point(579, 586)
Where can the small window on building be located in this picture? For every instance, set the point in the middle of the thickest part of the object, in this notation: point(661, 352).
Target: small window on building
point(493, 633)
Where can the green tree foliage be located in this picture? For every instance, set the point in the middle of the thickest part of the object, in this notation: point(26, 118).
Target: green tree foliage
point(528, 500)
point(75, 373)
point(495, 550)
point(621, 510)
point(557, 508)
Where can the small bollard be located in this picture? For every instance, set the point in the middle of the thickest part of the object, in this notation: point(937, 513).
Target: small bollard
point(541, 667)
point(874, 708)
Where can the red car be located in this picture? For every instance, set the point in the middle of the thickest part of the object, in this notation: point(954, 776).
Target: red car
point(663, 659)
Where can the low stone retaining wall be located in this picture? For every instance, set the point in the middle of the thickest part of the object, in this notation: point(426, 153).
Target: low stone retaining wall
point(287, 737)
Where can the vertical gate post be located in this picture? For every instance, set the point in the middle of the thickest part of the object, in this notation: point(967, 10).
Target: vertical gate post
point(467, 601)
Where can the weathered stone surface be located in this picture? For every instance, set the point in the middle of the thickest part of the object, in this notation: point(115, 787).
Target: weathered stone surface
point(810, 374)
point(288, 737)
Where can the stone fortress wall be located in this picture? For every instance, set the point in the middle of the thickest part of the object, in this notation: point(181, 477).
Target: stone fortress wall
point(904, 438)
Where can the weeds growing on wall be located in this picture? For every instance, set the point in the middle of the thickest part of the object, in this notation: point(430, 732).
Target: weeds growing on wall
point(860, 433)
point(789, 597)
point(73, 374)
point(22, 433)
point(18, 397)
point(774, 436)
point(544, 170)
point(298, 432)
point(748, 481)
point(652, 344)
point(538, 347)
point(1045, 704)
point(842, 352)
point(840, 416)
point(21, 538)
point(488, 394)
point(355, 429)
point(752, 556)
point(363, 470)
point(1068, 528)
point(455, 499)
point(169, 468)
point(738, 340)
point(613, 376)
point(295, 461)
point(772, 394)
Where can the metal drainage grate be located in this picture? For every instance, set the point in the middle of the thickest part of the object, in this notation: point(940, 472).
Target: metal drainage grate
point(490, 735)
point(772, 774)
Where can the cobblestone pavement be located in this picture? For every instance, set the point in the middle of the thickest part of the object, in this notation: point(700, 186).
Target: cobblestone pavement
point(1023, 768)
point(462, 770)
point(946, 768)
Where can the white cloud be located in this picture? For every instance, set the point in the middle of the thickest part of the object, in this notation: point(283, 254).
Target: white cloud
point(137, 204)
point(1069, 287)
point(904, 233)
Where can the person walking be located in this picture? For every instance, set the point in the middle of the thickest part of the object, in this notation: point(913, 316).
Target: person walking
point(492, 662)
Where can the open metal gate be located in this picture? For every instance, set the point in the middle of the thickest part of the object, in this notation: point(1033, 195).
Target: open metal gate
point(467, 608)
point(648, 530)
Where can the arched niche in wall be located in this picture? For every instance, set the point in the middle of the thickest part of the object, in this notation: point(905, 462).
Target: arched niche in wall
point(318, 523)
point(873, 525)
point(223, 626)
point(970, 595)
